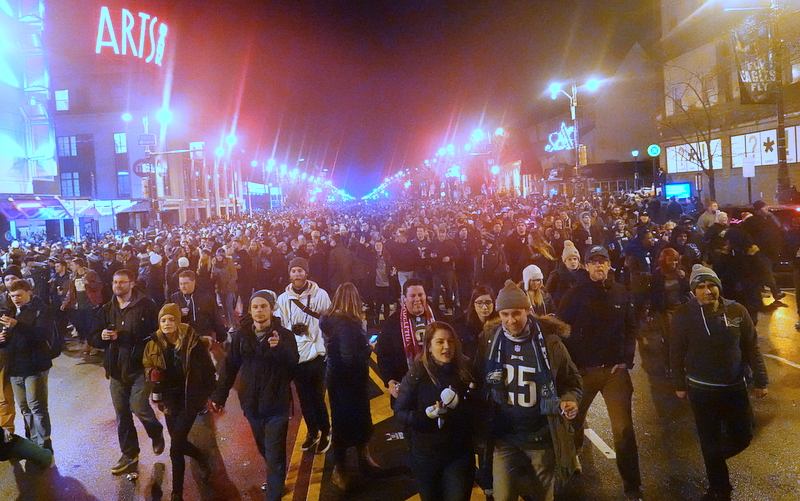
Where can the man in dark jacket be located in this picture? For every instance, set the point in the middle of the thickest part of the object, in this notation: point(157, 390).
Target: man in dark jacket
point(26, 334)
point(401, 338)
point(266, 355)
point(198, 308)
point(128, 320)
point(714, 342)
point(602, 344)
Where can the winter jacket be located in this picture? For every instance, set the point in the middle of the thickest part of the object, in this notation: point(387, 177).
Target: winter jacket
point(417, 392)
point(568, 385)
point(224, 275)
point(196, 365)
point(658, 299)
point(714, 349)
point(392, 363)
point(134, 324)
point(266, 372)
point(204, 314)
point(600, 316)
point(26, 343)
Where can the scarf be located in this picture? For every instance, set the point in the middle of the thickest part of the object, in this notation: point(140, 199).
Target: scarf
point(495, 371)
point(410, 345)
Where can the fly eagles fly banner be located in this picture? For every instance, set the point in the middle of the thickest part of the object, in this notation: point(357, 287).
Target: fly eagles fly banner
point(756, 60)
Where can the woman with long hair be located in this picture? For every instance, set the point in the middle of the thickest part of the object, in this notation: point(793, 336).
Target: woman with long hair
point(177, 362)
point(348, 381)
point(434, 406)
point(533, 285)
point(476, 316)
point(537, 252)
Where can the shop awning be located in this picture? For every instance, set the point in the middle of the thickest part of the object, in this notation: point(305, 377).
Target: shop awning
point(30, 208)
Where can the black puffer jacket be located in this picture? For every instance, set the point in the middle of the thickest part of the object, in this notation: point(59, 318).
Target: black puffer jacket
point(264, 389)
point(134, 324)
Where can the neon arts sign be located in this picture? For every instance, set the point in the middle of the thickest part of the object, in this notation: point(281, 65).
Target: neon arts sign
point(561, 140)
point(107, 36)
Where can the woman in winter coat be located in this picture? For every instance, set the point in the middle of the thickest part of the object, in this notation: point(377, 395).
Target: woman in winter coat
point(178, 363)
point(348, 381)
point(434, 406)
point(669, 289)
point(564, 277)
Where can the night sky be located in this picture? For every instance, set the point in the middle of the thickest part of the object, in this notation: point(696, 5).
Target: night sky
point(368, 87)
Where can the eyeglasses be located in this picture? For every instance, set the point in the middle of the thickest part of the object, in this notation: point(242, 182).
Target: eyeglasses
point(485, 304)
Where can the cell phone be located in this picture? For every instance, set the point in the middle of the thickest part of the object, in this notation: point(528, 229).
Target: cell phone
point(373, 339)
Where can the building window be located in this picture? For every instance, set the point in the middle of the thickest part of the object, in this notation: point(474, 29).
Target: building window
point(70, 184)
point(120, 142)
point(62, 100)
point(67, 146)
point(124, 184)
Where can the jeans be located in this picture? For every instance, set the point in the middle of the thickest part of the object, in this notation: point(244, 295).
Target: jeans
point(725, 425)
point(617, 391)
point(229, 306)
point(444, 479)
point(309, 380)
point(519, 472)
point(270, 435)
point(7, 410)
point(179, 425)
point(31, 395)
point(129, 399)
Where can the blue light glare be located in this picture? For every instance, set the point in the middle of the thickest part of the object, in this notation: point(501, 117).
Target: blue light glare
point(592, 85)
point(127, 117)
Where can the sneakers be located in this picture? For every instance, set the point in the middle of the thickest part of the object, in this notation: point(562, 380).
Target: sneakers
point(123, 464)
point(159, 444)
point(324, 444)
point(310, 441)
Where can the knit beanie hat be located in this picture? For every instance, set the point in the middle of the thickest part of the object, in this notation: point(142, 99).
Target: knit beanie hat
point(265, 294)
point(170, 309)
point(569, 251)
point(183, 262)
point(531, 272)
point(702, 273)
point(511, 297)
point(298, 262)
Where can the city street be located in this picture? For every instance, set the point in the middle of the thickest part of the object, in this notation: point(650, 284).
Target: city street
point(84, 438)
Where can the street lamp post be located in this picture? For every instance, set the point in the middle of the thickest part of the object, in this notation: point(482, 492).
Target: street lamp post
point(555, 90)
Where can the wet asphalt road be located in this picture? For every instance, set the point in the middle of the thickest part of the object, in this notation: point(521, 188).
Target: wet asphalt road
point(84, 437)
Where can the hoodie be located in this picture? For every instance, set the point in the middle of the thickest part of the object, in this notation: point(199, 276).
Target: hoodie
point(714, 349)
point(311, 344)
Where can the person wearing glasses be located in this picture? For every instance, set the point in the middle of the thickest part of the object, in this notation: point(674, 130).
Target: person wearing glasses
point(128, 320)
point(602, 343)
point(477, 315)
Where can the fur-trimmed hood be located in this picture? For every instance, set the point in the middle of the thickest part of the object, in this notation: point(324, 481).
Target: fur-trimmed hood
point(551, 326)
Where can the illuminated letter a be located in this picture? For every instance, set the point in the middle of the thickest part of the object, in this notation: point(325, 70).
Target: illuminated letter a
point(105, 24)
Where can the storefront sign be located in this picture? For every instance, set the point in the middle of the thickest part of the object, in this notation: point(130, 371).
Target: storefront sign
point(145, 38)
point(561, 140)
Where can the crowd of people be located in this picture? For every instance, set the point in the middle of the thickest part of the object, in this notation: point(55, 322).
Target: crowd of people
point(499, 321)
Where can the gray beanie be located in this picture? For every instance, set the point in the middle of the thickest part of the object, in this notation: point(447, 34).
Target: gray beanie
point(511, 297)
point(298, 262)
point(702, 273)
point(265, 294)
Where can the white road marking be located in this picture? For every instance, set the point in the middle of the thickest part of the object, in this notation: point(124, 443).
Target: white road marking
point(779, 359)
point(598, 442)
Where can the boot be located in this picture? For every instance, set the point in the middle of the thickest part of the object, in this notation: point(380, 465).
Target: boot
point(367, 465)
point(339, 476)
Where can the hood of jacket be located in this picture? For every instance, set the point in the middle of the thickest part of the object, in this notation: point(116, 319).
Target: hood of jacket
point(311, 290)
point(552, 326)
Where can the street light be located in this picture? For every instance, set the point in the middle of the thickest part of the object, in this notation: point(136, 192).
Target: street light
point(555, 89)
